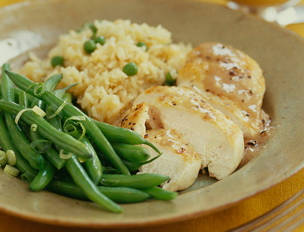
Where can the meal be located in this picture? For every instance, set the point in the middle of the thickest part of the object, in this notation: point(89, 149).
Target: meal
point(118, 113)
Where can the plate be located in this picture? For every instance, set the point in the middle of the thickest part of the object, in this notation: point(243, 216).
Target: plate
point(36, 25)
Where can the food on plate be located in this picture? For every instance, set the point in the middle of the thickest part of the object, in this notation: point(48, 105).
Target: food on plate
point(28, 133)
point(230, 80)
point(106, 78)
point(179, 161)
point(213, 136)
point(118, 113)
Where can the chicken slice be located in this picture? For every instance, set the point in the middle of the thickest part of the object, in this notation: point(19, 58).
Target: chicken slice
point(140, 118)
point(250, 127)
point(136, 119)
point(233, 78)
point(178, 160)
point(216, 138)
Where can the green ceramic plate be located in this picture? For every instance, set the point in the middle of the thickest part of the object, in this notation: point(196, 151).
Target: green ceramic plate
point(37, 25)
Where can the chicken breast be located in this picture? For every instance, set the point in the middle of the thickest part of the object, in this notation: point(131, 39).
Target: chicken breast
point(250, 127)
point(140, 118)
point(179, 161)
point(217, 139)
point(136, 119)
point(234, 80)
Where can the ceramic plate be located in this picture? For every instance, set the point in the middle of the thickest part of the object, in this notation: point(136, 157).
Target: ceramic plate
point(36, 25)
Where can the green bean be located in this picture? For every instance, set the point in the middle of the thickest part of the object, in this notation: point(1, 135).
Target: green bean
point(160, 194)
point(68, 97)
point(51, 83)
point(81, 178)
point(21, 142)
point(132, 166)
point(43, 178)
point(124, 194)
point(50, 154)
point(7, 85)
point(18, 138)
point(60, 93)
point(67, 189)
point(29, 97)
point(61, 139)
point(139, 181)
point(3, 158)
point(22, 99)
point(55, 121)
point(63, 175)
point(117, 194)
point(110, 170)
point(27, 177)
point(37, 102)
point(17, 93)
point(131, 153)
point(69, 110)
point(93, 165)
point(53, 156)
point(93, 131)
point(6, 144)
point(122, 135)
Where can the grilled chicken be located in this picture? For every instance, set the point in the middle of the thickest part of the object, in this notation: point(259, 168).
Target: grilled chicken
point(216, 138)
point(250, 128)
point(136, 119)
point(230, 80)
point(178, 160)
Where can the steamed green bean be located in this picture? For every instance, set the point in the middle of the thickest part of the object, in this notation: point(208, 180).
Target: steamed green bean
point(81, 178)
point(117, 194)
point(69, 110)
point(140, 181)
point(43, 178)
point(63, 140)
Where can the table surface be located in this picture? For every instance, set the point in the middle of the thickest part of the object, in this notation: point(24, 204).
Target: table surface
point(221, 221)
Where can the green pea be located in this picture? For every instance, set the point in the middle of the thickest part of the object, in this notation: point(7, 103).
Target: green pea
point(57, 61)
point(142, 44)
point(89, 46)
point(93, 28)
point(100, 39)
point(169, 79)
point(130, 69)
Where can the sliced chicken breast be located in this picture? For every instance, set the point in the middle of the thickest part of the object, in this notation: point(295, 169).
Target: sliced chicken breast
point(136, 119)
point(232, 77)
point(178, 160)
point(217, 139)
point(251, 127)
